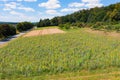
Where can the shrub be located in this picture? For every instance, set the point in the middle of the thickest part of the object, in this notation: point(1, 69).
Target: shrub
point(80, 24)
point(109, 27)
point(88, 25)
point(117, 27)
point(61, 26)
point(112, 27)
point(7, 30)
point(65, 26)
point(24, 26)
point(98, 25)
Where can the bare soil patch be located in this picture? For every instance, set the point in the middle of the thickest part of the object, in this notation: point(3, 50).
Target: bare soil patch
point(44, 32)
point(104, 33)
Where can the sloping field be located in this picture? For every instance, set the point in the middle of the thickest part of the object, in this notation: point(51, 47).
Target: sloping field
point(104, 33)
point(44, 32)
point(45, 57)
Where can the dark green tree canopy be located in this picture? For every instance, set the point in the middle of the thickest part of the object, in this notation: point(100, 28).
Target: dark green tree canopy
point(93, 15)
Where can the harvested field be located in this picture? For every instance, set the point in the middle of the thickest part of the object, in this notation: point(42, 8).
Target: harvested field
point(44, 32)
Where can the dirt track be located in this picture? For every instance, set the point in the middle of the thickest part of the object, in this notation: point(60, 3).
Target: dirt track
point(43, 32)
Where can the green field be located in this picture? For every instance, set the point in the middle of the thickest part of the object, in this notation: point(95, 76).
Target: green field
point(74, 55)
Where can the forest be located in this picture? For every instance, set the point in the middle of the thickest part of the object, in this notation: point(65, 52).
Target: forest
point(97, 18)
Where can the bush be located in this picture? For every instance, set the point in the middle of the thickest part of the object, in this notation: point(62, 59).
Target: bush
point(88, 25)
point(109, 27)
point(80, 24)
point(113, 27)
point(98, 25)
point(24, 26)
point(117, 27)
point(7, 30)
point(61, 26)
point(65, 26)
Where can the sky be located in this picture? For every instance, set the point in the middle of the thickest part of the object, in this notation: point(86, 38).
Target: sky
point(34, 10)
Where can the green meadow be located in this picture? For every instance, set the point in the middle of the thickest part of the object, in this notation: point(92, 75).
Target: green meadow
point(74, 55)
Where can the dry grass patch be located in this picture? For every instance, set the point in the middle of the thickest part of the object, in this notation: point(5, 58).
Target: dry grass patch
point(44, 32)
point(104, 33)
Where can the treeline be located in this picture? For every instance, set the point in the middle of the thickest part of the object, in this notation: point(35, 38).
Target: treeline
point(24, 26)
point(103, 15)
point(9, 30)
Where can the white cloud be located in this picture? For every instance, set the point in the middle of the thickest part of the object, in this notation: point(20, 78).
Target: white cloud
point(70, 9)
point(30, 0)
point(18, 17)
point(16, 13)
point(92, 3)
point(1, 4)
point(6, 9)
point(50, 4)
point(52, 12)
point(46, 17)
point(13, 18)
point(28, 9)
point(89, 5)
point(76, 4)
point(4, 0)
point(27, 0)
point(13, 5)
point(10, 6)
point(40, 13)
point(19, 0)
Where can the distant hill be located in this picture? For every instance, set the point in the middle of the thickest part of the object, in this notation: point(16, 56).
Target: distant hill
point(8, 22)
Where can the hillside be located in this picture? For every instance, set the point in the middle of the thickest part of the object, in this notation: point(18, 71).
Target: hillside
point(47, 56)
point(106, 15)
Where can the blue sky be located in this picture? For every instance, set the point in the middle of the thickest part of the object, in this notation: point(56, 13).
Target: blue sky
point(33, 10)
